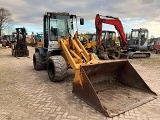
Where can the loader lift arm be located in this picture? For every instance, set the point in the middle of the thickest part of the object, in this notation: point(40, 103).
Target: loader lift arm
point(75, 53)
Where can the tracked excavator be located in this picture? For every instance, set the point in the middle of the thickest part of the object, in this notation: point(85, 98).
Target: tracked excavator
point(138, 43)
point(107, 48)
point(112, 87)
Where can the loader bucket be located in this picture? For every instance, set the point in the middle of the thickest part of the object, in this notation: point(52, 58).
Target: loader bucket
point(112, 87)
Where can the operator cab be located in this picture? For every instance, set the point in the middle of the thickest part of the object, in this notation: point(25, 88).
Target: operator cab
point(56, 26)
point(108, 38)
point(139, 39)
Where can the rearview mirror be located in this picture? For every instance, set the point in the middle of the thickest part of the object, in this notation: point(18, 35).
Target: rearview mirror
point(81, 21)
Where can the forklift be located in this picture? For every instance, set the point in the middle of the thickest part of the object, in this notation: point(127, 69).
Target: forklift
point(19, 45)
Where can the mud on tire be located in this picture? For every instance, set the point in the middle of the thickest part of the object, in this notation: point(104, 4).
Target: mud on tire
point(38, 62)
point(56, 68)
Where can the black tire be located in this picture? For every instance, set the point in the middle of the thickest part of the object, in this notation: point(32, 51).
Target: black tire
point(27, 53)
point(4, 45)
point(56, 68)
point(102, 54)
point(14, 53)
point(39, 62)
point(116, 54)
point(155, 51)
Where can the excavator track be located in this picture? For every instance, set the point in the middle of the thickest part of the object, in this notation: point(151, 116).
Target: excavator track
point(139, 55)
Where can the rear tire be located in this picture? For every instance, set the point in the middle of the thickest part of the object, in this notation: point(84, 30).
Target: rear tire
point(27, 53)
point(39, 62)
point(56, 68)
point(14, 53)
point(103, 55)
point(155, 51)
point(4, 45)
point(116, 54)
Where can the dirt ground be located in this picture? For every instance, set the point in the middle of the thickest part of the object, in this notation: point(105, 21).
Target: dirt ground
point(26, 94)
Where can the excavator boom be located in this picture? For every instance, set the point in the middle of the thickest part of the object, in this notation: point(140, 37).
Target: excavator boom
point(112, 21)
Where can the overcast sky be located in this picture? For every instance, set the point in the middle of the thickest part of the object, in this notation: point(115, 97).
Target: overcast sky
point(133, 14)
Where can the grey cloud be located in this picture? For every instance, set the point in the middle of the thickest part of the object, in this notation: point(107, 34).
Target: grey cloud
point(31, 11)
point(88, 9)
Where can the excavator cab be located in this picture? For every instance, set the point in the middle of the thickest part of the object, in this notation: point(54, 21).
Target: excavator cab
point(110, 87)
point(111, 44)
point(139, 39)
point(138, 44)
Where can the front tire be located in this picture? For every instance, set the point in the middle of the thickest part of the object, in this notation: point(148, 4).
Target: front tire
point(116, 54)
point(102, 54)
point(56, 68)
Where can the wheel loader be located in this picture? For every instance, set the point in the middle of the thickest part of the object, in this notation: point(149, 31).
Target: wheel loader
point(111, 87)
point(19, 45)
point(88, 40)
point(35, 39)
point(110, 44)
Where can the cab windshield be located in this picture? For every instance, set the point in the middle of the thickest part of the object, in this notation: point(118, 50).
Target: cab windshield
point(59, 28)
point(107, 35)
point(135, 34)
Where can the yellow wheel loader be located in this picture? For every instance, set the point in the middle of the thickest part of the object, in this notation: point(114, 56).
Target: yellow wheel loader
point(111, 42)
point(88, 40)
point(111, 88)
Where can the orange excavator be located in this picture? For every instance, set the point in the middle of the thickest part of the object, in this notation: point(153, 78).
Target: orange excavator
point(107, 46)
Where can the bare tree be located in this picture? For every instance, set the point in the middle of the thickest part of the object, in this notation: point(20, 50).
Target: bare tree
point(5, 18)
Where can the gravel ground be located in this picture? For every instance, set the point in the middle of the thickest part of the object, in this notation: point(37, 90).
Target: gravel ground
point(26, 94)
